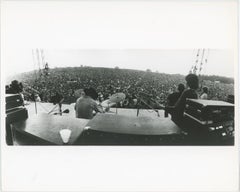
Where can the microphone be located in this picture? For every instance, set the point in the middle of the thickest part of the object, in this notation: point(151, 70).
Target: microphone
point(65, 111)
point(151, 99)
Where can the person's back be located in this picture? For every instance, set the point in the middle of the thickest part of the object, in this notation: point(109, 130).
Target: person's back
point(190, 94)
point(192, 83)
point(173, 98)
point(84, 107)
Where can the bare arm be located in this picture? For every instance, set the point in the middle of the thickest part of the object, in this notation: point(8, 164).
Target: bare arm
point(97, 108)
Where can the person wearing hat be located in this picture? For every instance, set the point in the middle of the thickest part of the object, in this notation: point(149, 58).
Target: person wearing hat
point(86, 105)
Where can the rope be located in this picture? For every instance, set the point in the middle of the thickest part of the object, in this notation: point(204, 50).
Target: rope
point(201, 64)
point(206, 59)
point(34, 63)
point(38, 59)
point(194, 66)
point(43, 58)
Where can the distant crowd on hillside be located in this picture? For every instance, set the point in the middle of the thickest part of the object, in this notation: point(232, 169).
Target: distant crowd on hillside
point(134, 84)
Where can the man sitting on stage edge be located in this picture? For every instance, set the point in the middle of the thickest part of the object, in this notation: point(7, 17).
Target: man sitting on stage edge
point(86, 104)
point(178, 109)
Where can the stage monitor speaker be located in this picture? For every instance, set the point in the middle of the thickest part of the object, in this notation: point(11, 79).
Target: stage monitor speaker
point(13, 101)
point(209, 111)
point(210, 120)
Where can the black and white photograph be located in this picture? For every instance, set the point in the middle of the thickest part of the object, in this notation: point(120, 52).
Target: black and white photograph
point(121, 97)
point(110, 95)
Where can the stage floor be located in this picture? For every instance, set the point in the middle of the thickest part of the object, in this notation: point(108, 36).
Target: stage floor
point(147, 118)
point(47, 107)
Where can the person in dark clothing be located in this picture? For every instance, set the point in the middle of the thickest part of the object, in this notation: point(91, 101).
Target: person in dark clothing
point(7, 89)
point(178, 109)
point(173, 98)
point(15, 87)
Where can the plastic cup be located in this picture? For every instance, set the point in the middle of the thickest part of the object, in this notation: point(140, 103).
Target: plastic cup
point(65, 135)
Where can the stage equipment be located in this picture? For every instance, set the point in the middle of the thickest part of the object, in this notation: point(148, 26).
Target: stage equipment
point(15, 111)
point(212, 119)
point(116, 98)
point(65, 111)
point(106, 105)
point(209, 111)
point(59, 105)
point(147, 100)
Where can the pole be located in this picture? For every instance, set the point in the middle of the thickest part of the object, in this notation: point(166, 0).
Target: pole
point(35, 106)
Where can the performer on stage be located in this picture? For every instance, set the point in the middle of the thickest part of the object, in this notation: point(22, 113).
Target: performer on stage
point(178, 109)
point(86, 104)
point(173, 97)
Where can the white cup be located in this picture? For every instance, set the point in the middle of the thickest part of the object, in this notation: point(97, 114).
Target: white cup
point(65, 135)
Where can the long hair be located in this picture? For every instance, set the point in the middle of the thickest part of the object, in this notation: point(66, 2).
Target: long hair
point(91, 92)
point(192, 81)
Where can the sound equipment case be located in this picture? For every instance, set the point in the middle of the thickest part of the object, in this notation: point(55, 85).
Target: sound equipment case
point(210, 120)
point(15, 111)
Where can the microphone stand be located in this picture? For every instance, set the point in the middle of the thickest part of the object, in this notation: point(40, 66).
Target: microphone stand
point(35, 105)
point(59, 104)
point(35, 102)
point(142, 101)
point(138, 107)
point(33, 97)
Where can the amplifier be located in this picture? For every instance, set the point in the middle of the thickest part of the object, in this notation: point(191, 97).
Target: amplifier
point(13, 101)
point(209, 111)
point(15, 111)
point(16, 114)
point(213, 120)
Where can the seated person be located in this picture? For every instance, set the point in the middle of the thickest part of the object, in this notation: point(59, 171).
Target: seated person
point(86, 104)
point(178, 109)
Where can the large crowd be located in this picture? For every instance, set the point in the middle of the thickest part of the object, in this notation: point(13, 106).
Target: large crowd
point(133, 83)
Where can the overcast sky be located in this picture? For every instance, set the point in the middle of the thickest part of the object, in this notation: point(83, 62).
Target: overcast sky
point(219, 62)
point(159, 35)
